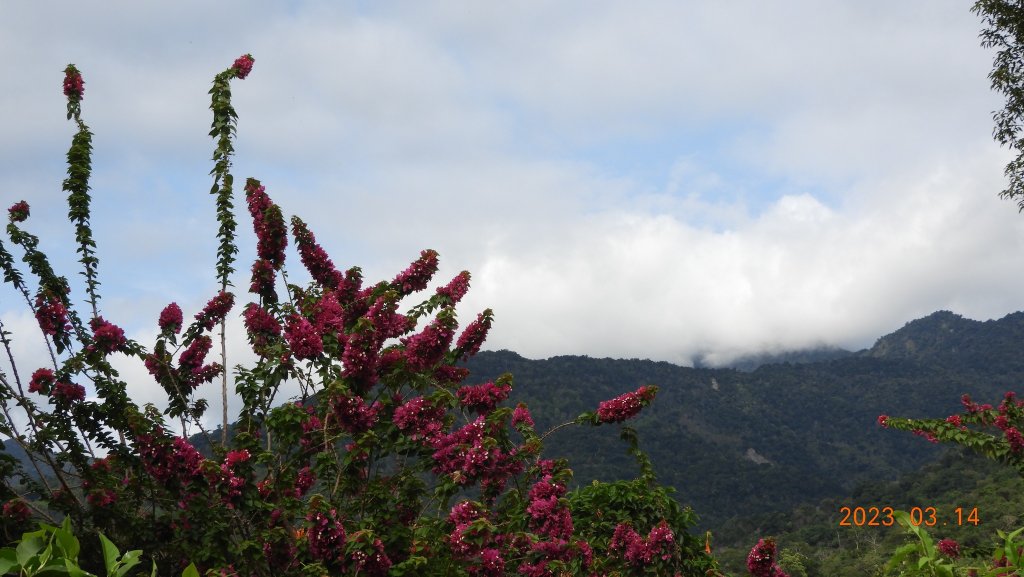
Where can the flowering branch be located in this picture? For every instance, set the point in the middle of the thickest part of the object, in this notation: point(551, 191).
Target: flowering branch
point(223, 128)
point(77, 183)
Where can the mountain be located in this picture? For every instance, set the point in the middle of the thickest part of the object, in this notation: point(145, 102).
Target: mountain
point(736, 443)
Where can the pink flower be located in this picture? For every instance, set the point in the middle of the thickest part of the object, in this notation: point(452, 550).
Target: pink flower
point(329, 316)
point(521, 416)
point(268, 224)
point(419, 273)
point(261, 327)
point(315, 258)
point(68, 392)
point(74, 84)
point(1016, 440)
point(170, 319)
point(426, 349)
point(243, 66)
point(325, 535)
point(235, 457)
point(949, 548)
point(107, 337)
point(353, 414)
point(190, 363)
point(303, 338)
point(52, 315)
point(930, 436)
point(955, 421)
point(483, 398)
point(16, 509)
point(456, 289)
point(625, 406)
point(304, 481)
point(215, 310)
point(18, 211)
point(420, 419)
point(41, 381)
point(883, 420)
point(473, 337)
point(761, 559)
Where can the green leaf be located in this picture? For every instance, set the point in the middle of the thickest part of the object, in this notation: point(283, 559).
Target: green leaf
point(110, 553)
point(67, 541)
point(130, 560)
point(29, 548)
point(8, 561)
point(900, 555)
point(190, 571)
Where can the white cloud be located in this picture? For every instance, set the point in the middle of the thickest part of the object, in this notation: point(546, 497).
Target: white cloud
point(653, 179)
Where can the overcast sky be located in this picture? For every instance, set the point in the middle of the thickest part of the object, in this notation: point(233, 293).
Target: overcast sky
point(653, 179)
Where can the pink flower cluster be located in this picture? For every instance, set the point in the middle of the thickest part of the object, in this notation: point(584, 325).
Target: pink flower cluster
point(483, 398)
point(426, 348)
point(52, 315)
point(761, 560)
point(243, 66)
point(18, 211)
point(972, 407)
point(228, 480)
point(949, 548)
point(419, 273)
point(68, 392)
point(625, 406)
point(191, 369)
point(304, 481)
point(521, 416)
point(474, 335)
point(370, 559)
point(107, 337)
point(171, 319)
point(471, 542)
point(261, 326)
point(303, 338)
point(325, 535)
point(169, 463)
point(639, 551)
point(548, 515)
point(420, 419)
point(329, 316)
point(101, 497)
point(271, 237)
point(215, 310)
point(551, 521)
point(456, 289)
point(42, 380)
point(74, 84)
point(314, 257)
point(466, 456)
point(16, 509)
point(353, 414)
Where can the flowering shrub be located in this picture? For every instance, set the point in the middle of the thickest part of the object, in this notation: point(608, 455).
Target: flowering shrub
point(992, 431)
point(390, 461)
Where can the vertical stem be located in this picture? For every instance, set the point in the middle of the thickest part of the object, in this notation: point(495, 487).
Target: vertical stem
point(224, 385)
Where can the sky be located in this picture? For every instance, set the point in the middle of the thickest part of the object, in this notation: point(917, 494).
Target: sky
point(652, 179)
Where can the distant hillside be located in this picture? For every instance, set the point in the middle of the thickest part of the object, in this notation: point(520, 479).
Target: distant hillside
point(814, 355)
point(737, 443)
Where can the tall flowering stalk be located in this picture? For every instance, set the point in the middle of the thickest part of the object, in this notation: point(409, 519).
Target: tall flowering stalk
point(223, 129)
point(77, 183)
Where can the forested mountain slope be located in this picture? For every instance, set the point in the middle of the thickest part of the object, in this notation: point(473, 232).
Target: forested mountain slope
point(738, 443)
